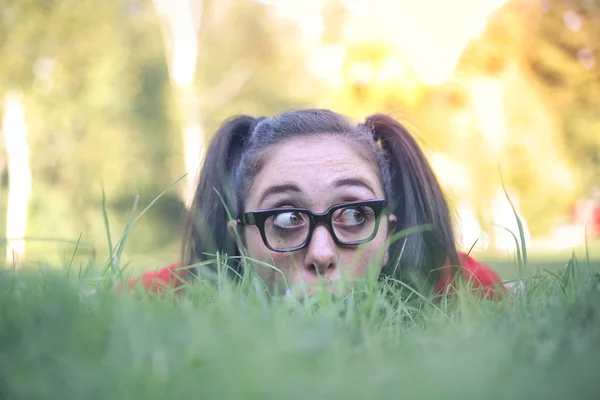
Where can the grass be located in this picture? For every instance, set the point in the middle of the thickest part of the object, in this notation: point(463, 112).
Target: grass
point(58, 340)
point(68, 334)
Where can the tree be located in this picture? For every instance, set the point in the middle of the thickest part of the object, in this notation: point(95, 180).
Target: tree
point(14, 128)
point(82, 85)
point(528, 144)
point(564, 53)
point(102, 112)
point(180, 23)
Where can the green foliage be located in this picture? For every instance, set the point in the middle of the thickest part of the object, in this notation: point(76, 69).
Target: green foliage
point(100, 110)
point(567, 62)
point(250, 62)
point(551, 155)
point(93, 80)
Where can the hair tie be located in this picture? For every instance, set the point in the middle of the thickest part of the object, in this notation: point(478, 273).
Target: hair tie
point(374, 134)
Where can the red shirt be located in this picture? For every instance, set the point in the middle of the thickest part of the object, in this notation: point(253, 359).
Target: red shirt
point(481, 276)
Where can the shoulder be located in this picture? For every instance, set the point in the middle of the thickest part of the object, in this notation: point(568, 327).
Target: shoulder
point(480, 275)
point(478, 272)
point(171, 276)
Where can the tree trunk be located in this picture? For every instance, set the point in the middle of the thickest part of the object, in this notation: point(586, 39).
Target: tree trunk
point(487, 96)
point(14, 129)
point(180, 24)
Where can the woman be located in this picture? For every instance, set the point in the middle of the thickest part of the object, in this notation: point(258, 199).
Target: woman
point(321, 199)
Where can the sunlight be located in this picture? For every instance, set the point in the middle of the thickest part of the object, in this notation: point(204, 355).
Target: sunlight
point(14, 129)
point(432, 41)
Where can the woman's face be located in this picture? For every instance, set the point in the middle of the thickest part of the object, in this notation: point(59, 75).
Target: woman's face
point(316, 173)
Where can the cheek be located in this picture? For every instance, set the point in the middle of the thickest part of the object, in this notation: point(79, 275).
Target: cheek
point(360, 260)
point(258, 251)
point(254, 244)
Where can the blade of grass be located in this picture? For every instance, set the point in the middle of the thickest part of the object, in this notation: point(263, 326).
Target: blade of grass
point(560, 279)
point(472, 247)
point(422, 298)
point(569, 272)
point(161, 194)
point(518, 252)
point(587, 250)
point(519, 222)
point(113, 263)
point(107, 224)
point(73, 255)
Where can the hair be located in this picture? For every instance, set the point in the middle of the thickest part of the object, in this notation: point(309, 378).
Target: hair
point(237, 153)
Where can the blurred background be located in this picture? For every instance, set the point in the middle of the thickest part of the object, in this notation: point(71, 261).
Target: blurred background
point(122, 95)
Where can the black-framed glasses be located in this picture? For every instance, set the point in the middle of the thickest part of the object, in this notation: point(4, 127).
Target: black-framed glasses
point(290, 229)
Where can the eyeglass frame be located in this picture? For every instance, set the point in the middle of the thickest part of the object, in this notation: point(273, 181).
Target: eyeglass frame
point(259, 217)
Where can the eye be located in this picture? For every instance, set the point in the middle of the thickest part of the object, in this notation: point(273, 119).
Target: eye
point(288, 219)
point(352, 216)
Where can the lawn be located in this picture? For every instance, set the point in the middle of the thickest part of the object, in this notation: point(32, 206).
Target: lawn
point(68, 334)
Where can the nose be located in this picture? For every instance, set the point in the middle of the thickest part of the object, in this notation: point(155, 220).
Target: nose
point(321, 254)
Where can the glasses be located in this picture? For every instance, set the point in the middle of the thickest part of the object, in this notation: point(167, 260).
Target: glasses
point(290, 229)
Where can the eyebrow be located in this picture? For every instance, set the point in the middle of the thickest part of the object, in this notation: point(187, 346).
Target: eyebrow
point(353, 182)
point(277, 189)
point(290, 187)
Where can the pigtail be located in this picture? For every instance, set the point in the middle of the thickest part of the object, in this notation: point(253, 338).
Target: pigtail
point(418, 201)
point(205, 229)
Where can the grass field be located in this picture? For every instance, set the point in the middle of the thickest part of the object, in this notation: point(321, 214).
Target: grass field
point(67, 333)
point(59, 340)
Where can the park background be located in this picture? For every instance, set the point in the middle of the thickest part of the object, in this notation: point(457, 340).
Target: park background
point(120, 96)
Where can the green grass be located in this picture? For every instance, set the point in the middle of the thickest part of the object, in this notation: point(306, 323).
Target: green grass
point(69, 334)
point(59, 341)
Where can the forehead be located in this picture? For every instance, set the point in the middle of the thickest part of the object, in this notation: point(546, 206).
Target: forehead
point(314, 164)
